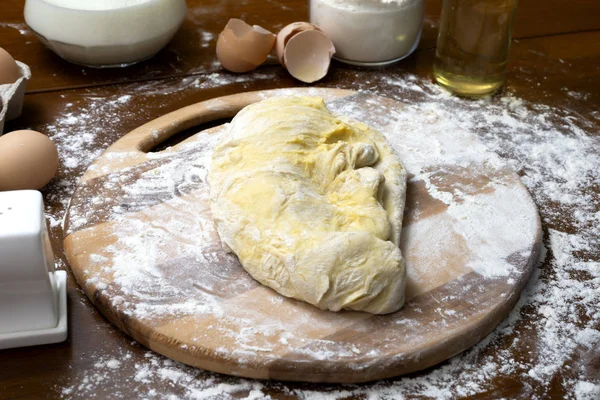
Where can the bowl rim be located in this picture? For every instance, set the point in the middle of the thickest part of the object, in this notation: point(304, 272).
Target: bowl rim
point(94, 11)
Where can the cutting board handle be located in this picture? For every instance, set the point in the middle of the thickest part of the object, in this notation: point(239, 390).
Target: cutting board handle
point(134, 147)
point(161, 201)
point(155, 132)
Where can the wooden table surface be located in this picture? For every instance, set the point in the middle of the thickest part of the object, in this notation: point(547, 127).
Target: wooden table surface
point(556, 51)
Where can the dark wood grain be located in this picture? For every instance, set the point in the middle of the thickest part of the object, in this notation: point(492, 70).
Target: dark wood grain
point(189, 54)
point(558, 48)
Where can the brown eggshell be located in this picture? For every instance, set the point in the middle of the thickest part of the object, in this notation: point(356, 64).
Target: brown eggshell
point(228, 54)
point(28, 160)
point(307, 55)
point(241, 47)
point(286, 34)
point(9, 70)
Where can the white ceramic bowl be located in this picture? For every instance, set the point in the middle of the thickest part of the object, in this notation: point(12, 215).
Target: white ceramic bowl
point(91, 34)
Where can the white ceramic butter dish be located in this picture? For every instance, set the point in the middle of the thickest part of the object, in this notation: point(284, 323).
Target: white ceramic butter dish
point(33, 301)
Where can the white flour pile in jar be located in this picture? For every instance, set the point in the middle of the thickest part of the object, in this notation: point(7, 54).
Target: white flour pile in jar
point(370, 31)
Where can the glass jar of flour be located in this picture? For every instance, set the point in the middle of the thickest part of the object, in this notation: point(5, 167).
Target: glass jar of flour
point(370, 32)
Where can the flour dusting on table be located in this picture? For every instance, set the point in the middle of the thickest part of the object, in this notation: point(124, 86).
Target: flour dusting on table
point(557, 160)
point(160, 266)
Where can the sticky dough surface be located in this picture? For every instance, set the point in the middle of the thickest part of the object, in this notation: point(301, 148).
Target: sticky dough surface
point(312, 205)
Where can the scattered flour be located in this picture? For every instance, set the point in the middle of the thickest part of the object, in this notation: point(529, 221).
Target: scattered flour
point(91, 124)
point(557, 159)
point(21, 27)
point(217, 79)
point(207, 38)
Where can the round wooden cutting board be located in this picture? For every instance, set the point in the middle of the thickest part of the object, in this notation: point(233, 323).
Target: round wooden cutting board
point(141, 243)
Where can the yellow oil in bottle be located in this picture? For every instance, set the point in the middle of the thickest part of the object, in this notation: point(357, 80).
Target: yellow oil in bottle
point(473, 45)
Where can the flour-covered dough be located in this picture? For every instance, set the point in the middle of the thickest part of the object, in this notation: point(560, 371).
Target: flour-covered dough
point(312, 205)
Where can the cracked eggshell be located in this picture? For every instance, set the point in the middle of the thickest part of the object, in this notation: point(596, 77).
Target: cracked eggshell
point(287, 33)
point(12, 96)
point(307, 55)
point(242, 48)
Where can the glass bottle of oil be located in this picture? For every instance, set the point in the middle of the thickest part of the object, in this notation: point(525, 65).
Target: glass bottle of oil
point(473, 45)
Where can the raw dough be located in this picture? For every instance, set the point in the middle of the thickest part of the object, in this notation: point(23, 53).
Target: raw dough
point(312, 205)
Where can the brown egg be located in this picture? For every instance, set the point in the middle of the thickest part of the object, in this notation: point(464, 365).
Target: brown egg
point(241, 47)
point(286, 34)
point(307, 55)
point(9, 70)
point(28, 160)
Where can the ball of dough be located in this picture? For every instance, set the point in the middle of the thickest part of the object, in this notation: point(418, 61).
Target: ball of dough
point(312, 205)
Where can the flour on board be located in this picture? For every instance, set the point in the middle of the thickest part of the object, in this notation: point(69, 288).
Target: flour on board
point(557, 160)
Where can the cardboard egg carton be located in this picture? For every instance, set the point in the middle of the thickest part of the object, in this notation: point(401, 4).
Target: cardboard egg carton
point(12, 96)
